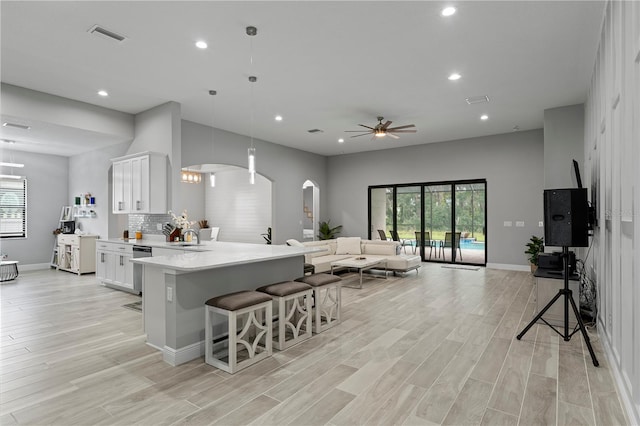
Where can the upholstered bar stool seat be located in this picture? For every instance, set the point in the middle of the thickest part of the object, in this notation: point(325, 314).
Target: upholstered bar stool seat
point(327, 290)
point(293, 304)
point(240, 346)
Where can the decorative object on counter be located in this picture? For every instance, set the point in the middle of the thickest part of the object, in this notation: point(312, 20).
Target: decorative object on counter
point(125, 234)
point(138, 235)
point(267, 236)
point(203, 223)
point(174, 235)
point(167, 229)
point(181, 221)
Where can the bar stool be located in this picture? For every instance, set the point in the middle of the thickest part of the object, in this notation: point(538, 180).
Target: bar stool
point(293, 304)
point(253, 329)
point(327, 290)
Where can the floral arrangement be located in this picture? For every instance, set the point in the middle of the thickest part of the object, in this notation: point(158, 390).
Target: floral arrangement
point(181, 221)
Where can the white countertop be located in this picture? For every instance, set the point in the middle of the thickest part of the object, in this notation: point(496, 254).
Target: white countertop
point(218, 254)
point(161, 243)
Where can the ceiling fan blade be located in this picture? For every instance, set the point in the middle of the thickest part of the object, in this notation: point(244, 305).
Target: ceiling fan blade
point(372, 128)
point(387, 124)
point(393, 136)
point(355, 136)
point(402, 131)
point(356, 131)
point(402, 127)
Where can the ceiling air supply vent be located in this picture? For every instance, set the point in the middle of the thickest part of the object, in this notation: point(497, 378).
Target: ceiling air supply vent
point(477, 99)
point(99, 31)
point(315, 131)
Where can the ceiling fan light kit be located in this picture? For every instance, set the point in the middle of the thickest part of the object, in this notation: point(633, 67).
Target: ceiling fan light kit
point(381, 130)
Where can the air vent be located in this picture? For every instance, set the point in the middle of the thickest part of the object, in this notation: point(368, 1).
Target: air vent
point(17, 126)
point(477, 99)
point(99, 31)
point(315, 131)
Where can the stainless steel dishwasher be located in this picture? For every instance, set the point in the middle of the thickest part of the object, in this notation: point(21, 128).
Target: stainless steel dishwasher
point(138, 252)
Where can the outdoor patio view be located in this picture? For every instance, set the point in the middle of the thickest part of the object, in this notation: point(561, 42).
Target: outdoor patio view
point(453, 215)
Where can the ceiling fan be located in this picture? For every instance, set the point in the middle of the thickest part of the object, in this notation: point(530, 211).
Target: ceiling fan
point(382, 130)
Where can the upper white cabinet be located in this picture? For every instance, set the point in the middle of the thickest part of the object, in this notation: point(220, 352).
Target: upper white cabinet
point(140, 183)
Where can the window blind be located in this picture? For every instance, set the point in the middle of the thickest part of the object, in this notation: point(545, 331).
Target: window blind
point(13, 208)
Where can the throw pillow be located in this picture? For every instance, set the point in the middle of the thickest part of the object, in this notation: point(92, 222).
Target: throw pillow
point(294, 243)
point(348, 245)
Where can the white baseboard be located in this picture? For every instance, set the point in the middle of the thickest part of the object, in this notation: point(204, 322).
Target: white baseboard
point(34, 267)
point(633, 410)
point(509, 267)
point(185, 354)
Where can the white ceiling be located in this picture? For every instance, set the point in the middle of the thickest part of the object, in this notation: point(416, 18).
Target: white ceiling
point(320, 64)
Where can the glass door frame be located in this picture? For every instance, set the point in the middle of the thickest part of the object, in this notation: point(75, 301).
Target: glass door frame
point(422, 185)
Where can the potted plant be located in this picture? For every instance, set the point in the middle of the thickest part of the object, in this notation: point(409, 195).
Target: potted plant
point(326, 232)
point(535, 246)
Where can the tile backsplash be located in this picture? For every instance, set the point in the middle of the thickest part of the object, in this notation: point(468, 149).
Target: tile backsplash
point(148, 223)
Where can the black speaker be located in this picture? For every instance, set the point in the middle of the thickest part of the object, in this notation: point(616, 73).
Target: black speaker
point(566, 217)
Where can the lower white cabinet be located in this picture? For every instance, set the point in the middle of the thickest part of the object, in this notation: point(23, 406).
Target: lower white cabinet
point(113, 266)
point(75, 253)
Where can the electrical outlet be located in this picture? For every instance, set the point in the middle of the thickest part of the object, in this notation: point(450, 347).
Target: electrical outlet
point(540, 224)
point(520, 224)
point(169, 294)
point(158, 226)
point(508, 223)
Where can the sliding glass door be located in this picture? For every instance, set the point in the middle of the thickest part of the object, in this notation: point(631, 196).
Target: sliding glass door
point(443, 222)
point(470, 222)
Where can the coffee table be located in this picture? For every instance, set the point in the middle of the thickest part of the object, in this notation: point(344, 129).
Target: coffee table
point(361, 264)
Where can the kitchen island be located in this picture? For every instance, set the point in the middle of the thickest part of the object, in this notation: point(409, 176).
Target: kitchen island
point(175, 288)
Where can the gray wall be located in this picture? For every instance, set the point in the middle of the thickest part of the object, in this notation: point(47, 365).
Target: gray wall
point(563, 142)
point(47, 191)
point(287, 168)
point(91, 172)
point(158, 130)
point(62, 112)
point(511, 163)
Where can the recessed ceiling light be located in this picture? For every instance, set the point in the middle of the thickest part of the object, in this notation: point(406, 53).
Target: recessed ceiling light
point(484, 117)
point(448, 11)
point(340, 140)
point(201, 44)
point(103, 93)
point(278, 118)
point(455, 76)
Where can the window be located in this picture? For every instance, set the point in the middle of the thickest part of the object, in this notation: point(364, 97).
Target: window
point(13, 208)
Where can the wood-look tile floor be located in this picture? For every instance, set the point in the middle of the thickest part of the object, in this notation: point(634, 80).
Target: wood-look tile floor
point(438, 347)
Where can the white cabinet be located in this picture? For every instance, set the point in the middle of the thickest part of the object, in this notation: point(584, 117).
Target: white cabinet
point(113, 264)
point(76, 253)
point(140, 183)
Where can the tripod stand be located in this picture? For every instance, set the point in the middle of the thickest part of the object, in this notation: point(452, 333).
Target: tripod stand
point(568, 298)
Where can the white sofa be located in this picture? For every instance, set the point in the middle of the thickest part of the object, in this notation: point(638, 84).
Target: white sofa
point(389, 250)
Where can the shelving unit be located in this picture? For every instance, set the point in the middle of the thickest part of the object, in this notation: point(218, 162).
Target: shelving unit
point(54, 251)
point(84, 211)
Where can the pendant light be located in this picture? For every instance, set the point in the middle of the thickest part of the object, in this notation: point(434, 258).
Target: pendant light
point(251, 32)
